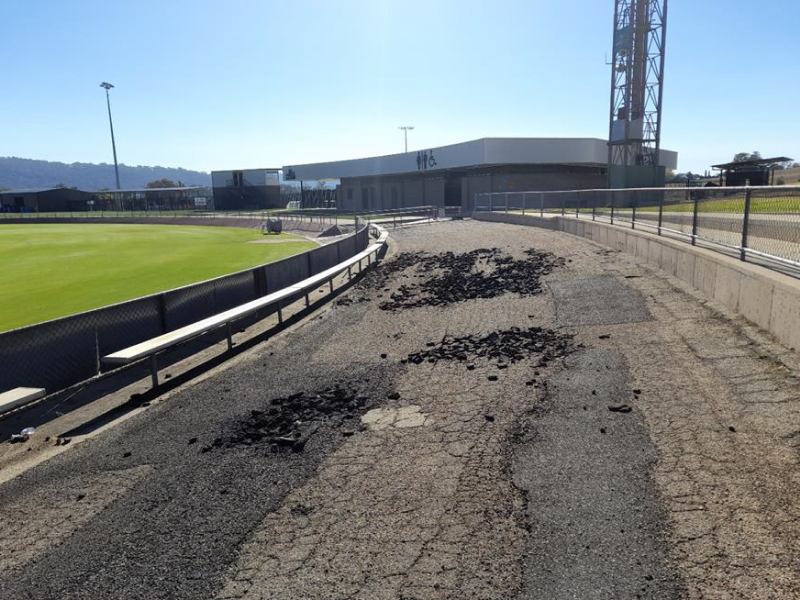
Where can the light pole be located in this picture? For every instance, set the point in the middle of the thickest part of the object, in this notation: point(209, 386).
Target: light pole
point(406, 129)
point(107, 87)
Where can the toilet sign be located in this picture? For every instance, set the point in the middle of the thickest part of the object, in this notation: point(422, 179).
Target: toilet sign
point(425, 160)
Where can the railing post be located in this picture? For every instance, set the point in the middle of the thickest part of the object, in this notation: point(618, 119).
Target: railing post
point(577, 205)
point(746, 223)
point(154, 370)
point(633, 212)
point(541, 196)
point(491, 202)
point(594, 206)
point(612, 207)
point(660, 211)
point(506, 195)
point(524, 198)
point(694, 218)
point(563, 205)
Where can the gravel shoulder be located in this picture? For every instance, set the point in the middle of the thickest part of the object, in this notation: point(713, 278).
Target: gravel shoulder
point(631, 440)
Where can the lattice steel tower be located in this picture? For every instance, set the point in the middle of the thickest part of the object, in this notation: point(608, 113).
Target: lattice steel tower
point(637, 83)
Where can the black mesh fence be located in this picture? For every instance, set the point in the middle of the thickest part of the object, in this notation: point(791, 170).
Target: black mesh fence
point(57, 354)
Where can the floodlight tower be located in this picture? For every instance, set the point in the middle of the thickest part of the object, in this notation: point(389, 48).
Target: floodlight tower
point(107, 86)
point(406, 129)
point(637, 83)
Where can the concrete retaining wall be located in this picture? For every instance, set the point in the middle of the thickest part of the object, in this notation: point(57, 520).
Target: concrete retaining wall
point(769, 299)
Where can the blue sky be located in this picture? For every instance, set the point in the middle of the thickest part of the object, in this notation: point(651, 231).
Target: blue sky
point(211, 85)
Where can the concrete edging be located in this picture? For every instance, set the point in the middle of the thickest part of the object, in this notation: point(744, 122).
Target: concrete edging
point(769, 299)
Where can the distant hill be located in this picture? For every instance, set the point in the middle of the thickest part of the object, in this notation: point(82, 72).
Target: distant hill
point(29, 173)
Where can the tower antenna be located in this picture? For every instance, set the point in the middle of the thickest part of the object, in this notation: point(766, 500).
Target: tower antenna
point(637, 92)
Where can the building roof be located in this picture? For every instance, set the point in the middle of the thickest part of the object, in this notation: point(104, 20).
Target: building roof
point(477, 153)
point(31, 190)
point(245, 170)
point(40, 190)
point(761, 162)
point(146, 189)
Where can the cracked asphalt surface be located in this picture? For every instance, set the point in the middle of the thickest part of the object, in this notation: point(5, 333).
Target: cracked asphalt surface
point(657, 457)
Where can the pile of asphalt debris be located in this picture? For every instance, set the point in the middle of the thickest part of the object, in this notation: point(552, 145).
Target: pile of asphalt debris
point(376, 280)
point(288, 423)
point(503, 347)
point(449, 278)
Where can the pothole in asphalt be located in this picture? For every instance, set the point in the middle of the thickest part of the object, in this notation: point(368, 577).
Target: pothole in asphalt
point(399, 418)
point(502, 347)
point(448, 278)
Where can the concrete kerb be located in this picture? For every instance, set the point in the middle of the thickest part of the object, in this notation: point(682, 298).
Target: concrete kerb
point(767, 298)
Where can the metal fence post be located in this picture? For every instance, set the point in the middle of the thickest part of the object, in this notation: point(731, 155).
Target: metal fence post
point(594, 205)
point(746, 223)
point(660, 211)
point(506, 195)
point(542, 203)
point(612, 207)
point(577, 205)
point(524, 198)
point(162, 312)
point(694, 218)
point(633, 212)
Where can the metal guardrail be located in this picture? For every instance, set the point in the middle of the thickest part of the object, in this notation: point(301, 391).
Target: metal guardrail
point(334, 217)
point(60, 353)
point(154, 346)
point(400, 216)
point(752, 222)
point(165, 216)
point(256, 217)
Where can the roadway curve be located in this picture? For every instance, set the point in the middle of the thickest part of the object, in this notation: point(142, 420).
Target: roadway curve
point(652, 456)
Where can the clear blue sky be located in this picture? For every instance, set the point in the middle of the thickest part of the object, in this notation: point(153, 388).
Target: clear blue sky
point(211, 85)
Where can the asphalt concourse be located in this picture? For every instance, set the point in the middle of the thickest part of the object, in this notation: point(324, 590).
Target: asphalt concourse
point(496, 412)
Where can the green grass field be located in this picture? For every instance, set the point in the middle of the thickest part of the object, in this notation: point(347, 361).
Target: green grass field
point(735, 205)
point(789, 204)
point(51, 271)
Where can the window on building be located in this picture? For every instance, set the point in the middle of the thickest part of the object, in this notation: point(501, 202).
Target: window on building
point(238, 179)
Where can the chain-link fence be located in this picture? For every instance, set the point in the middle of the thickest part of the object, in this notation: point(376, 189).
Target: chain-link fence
point(309, 197)
point(57, 354)
point(753, 222)
point(236, 218)
point(196, 216)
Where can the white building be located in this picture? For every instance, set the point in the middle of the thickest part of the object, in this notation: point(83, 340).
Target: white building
point(451, 176)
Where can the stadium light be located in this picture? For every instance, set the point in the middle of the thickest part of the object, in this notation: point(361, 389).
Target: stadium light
point(406, 129)
point(107, 86)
